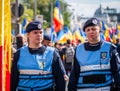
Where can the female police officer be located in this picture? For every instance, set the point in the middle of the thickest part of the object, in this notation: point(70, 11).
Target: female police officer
point(37, 67)
point(96, 64)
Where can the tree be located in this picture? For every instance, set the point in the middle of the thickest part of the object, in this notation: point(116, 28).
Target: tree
point(44, 8)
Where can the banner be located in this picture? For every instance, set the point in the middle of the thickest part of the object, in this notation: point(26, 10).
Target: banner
point(5, 45)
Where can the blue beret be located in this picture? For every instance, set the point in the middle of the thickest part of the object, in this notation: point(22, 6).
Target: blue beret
point(91, 22)
point(47, 37)
point(35, 25)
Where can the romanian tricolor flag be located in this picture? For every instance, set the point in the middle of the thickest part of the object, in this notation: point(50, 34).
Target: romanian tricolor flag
point(58, 19)
point(107, 35)
point(5, 45)
point(106, 31)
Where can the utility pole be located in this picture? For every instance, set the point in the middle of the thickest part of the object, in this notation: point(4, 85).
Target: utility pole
point(35, 8)
point(52, 13)
point(16, 9)
point(17, 25)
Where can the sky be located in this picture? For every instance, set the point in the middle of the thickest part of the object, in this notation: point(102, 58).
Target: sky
point(87, 8)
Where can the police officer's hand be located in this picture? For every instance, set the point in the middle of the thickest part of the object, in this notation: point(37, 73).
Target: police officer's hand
point(66, 77)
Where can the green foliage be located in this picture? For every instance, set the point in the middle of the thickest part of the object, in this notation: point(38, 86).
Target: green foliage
point(66, 13)
point(12, 0)
point(28, 14)
point(44, 8)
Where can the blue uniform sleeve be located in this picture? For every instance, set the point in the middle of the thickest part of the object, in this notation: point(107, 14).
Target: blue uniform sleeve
point(58, 72)
point(14, 72)
point(115, 67)
point(73, 80)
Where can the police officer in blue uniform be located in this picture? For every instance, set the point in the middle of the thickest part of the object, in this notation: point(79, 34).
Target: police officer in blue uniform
point(36, 67)
point(47, 40)
point(96, 62)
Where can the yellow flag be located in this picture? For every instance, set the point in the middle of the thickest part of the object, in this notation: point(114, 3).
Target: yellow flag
point(118, 27)
point(5, 44)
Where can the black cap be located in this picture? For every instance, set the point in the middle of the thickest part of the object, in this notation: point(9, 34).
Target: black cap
point(91, 22)
point(35, 25)
point(47, 37)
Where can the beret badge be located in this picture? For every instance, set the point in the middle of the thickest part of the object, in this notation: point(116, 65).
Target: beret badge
point(39, 26)
point(94, 21)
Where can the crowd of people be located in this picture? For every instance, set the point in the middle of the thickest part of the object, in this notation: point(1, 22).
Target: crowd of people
point(38, 65)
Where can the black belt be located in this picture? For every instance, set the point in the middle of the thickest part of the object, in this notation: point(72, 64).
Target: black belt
point(95, 79)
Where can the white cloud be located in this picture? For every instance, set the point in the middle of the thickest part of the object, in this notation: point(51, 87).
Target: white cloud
point(113, 4)
point(84, 9)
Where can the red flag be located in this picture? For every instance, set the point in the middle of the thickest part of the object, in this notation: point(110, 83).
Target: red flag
point(58, 19)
